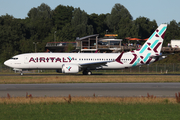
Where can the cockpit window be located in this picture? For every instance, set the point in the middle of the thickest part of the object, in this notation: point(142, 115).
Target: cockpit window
point(14, 58)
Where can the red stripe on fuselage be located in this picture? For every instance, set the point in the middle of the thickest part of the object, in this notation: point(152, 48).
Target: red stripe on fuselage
point(134, 59)
point(118, 59)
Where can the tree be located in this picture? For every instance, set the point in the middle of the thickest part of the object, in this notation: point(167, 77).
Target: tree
point(79, 17)
point(66, 34)
point(98, 23)
point(117, 13)
point(62, 15)
point(145, 27)
point(41, 12)
point(125, 25)
point(12, 31)
point(80, 23)
point(39, 22)
point(173, 32)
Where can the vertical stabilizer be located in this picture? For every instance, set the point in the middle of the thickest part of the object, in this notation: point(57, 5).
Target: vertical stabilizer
point(154, 44)
point(152, 47)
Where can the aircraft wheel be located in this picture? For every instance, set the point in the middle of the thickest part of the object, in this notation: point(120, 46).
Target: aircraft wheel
point(89, 73)
point(21, 73)
point(85, 72)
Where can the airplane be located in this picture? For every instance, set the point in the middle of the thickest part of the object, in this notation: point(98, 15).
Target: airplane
point(85, 62)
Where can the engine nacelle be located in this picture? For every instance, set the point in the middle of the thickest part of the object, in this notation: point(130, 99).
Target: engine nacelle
point(70, 68)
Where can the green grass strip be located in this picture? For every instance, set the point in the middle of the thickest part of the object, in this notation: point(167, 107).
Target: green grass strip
point(89, 111)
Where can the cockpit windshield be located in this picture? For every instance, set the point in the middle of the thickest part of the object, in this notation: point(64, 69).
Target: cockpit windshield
point(14, 58)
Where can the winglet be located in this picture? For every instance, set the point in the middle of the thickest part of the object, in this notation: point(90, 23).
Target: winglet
point(118, 59)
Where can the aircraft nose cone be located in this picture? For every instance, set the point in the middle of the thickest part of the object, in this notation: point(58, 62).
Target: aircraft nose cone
point(6, 63)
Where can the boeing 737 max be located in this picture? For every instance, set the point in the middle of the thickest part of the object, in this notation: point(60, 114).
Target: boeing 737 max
point(75, 62)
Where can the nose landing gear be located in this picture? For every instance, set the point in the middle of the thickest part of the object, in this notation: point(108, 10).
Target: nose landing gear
point(21, 73)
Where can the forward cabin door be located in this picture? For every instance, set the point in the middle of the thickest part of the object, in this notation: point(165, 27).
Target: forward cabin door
point(26, 62)
point(26, 59)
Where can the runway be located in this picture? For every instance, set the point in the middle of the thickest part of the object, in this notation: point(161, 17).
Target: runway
point(27, 74)
point(88, 89)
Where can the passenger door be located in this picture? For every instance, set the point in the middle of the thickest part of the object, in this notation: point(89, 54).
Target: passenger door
point(26, 59)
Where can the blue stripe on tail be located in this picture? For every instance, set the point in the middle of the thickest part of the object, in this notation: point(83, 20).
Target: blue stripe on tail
point(162, 30)
point(147, 56)
point(152, 36)
point(154, 43)
point(143, 49)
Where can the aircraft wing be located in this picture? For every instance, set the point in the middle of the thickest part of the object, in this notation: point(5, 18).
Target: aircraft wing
point(102, 63)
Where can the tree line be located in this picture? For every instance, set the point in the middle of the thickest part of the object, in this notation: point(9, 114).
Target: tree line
point(65, 23)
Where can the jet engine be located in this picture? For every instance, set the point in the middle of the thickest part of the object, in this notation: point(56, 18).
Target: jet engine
point(70, 68)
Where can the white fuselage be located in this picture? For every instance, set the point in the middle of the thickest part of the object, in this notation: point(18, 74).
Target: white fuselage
point(56, 60)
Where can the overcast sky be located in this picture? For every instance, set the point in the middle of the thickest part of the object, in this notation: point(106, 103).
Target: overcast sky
point(163, 11)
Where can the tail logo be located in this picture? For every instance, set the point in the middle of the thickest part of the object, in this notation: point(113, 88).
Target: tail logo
point(157, 35)
point(141, 59)
point(151, 47)
point(134, 59)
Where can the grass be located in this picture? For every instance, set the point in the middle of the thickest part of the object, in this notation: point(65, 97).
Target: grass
point(120, 100)
point(88, 79)
point(81, 108)
point(89, 111)
point(48, 108)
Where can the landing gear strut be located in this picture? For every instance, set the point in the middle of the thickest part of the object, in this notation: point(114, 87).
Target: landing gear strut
point(87, 72)
point(21, 73)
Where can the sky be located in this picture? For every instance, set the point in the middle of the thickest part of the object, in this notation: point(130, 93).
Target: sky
point(163, 11)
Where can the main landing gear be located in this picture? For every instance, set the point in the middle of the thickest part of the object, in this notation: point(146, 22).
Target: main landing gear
point(87, 72)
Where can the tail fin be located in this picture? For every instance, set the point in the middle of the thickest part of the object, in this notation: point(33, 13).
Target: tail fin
point(152, 47)
point(154, 44)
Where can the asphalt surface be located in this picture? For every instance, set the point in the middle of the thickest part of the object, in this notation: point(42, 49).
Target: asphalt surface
point(27, 74)
point(88, 89)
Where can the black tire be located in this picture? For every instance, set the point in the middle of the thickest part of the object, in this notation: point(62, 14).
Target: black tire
point(85, 72)
point(89, 73)
point(21, 73)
